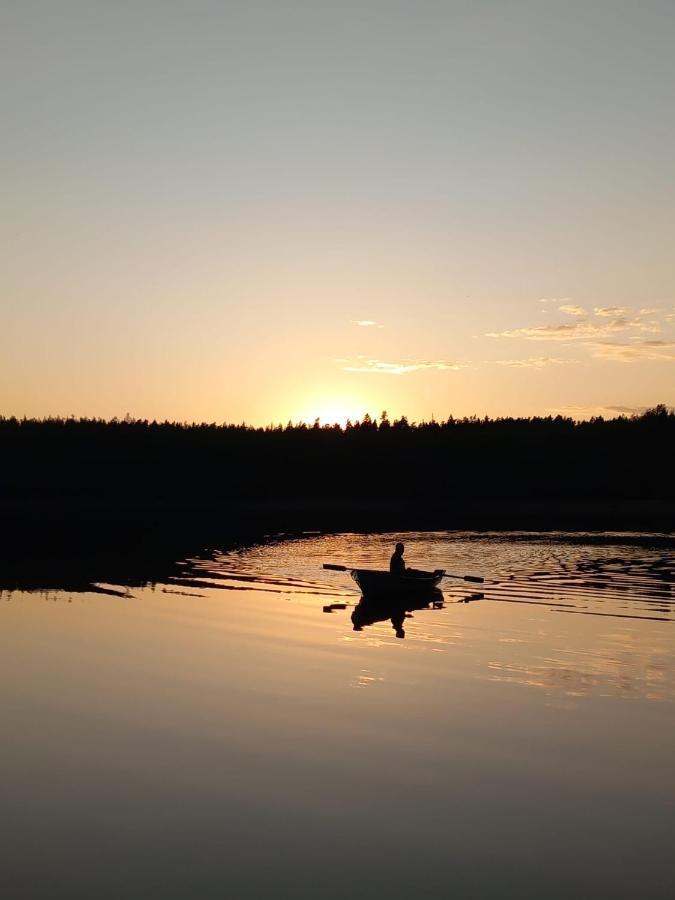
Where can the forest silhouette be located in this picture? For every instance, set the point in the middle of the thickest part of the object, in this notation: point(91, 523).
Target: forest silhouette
point(93, 460)
point(88, 500)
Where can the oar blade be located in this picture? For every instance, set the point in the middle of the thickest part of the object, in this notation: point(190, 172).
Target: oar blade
point(335, 568)
point(476, 579)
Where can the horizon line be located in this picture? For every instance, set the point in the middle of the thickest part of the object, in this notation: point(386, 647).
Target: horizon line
point(368, 420)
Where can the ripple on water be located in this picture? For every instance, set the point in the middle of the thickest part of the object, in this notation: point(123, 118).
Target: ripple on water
point(621, 595)
point(558, 571)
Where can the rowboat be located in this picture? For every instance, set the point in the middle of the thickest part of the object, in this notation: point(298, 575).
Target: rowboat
point(380, 583)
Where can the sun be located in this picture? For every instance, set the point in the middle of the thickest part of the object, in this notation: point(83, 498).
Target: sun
point(332, 415)
point(332, 412)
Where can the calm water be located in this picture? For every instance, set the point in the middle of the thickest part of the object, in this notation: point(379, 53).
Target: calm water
point(229, 733)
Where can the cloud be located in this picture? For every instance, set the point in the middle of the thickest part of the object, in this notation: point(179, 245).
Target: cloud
point(629, 410)
point(610, 312)
point(583, 329)
point(565, 331)
point(554, 299)
point(366, 323)
point(587, 412)
point(533, 362)
point(572, 310)
point(649, 311)
point(631, 352)
point(405, 367)
point(650, 325)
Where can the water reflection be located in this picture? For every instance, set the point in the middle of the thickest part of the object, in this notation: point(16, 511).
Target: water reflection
point(369, 610)
point(616, 665)
point(617, 599)
point(278, 731)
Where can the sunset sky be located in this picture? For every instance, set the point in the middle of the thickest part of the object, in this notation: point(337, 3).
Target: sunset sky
point(288, 208)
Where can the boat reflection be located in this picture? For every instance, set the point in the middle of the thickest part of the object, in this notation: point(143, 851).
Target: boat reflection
point(371, 610)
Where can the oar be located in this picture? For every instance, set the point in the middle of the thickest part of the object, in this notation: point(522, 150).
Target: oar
point(476, 579)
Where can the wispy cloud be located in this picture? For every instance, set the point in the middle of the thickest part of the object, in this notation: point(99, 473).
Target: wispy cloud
point(554, 299)
point(628, 410)
point(404, 367)
point(581, 330)
point(366, 323)
point(587, 412)
point(610, 312)
point(637, 350)
point(572, 310)
point(533, 362)
point(564, 331)
point(649, 325)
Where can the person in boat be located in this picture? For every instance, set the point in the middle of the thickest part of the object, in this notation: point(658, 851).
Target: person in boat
point(397, 563)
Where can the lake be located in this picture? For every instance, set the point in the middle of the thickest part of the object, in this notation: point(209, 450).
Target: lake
point(245, 727)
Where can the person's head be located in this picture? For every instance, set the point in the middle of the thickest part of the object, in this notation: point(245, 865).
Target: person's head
point(397, 621)
point(399, 549)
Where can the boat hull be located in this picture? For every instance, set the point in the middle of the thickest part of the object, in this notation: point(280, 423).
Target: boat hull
point(374, 583)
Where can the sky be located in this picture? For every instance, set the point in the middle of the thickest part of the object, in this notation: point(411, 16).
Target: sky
point(281, 209)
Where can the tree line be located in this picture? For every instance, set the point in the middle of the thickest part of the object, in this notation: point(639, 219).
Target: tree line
point(132, 460)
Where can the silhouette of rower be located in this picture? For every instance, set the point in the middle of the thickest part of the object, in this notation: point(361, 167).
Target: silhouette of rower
point(367, 613)
point(397, 563)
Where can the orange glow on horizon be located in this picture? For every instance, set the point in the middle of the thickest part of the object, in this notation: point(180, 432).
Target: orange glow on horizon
point(332, 414)
point(330, 407)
